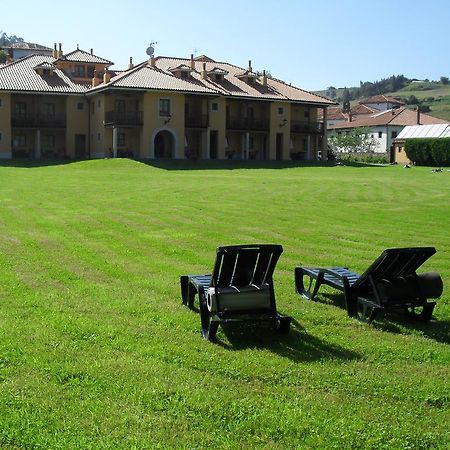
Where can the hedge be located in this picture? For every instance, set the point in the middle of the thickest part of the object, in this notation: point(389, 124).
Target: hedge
point(428, 151)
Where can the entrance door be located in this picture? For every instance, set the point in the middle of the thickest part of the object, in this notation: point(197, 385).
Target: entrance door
point(279, 147)
point(213, 143)
point(80, 146)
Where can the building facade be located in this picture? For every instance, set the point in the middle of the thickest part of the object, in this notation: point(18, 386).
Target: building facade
point(74, 106)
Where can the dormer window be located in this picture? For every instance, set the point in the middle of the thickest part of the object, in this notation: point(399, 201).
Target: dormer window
point(217, 74)
point(182, 71)
point(44, 69)
point(248, 76)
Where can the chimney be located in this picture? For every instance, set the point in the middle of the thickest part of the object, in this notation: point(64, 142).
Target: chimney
point(106, 77)
point(192, 62)
point(250, 68)
point(95, 79)
point(264, 78)
point(92, 51)
point(418, 116)
point(60, 52)
point(55, 52)
point(393, 112)
point(152, 61)
point(204, 71)
point(130, 64)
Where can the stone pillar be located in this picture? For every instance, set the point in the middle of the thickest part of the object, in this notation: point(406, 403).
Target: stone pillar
point(37, 145)
point(247, 145)
point(207, 144)
point(114, 149)
point(308, 148)
point(325, 135)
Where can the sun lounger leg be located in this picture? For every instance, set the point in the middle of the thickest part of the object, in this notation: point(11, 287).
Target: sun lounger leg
point(311, 290)
point(209, 326)
point(188, 291)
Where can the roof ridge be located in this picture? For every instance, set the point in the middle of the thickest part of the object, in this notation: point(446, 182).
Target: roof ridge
point(304, 90)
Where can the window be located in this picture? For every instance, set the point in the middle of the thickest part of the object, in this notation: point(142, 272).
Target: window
point(1, 102)
point(119, 105)
point(99, 103)
point(250, 143)
point(1, 136)
point(164, 107)
point(93, 108)
point(393, 134)
point(90, 71)
point(20, 109)
point(80, 106)
point(214, 106)
point(48, 109)
point(380, 134)
point(46, 72)
point(184, 75)
point(306, 114)
point(79, 71)
point(48, 141)
point(121, 139)
point(20, 140)
point(280, 111)
point(99, 137)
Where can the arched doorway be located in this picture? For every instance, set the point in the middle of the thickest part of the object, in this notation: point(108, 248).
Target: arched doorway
point(164, 145)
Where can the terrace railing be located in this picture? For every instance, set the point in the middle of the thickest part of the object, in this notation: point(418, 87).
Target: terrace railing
point(124, 118)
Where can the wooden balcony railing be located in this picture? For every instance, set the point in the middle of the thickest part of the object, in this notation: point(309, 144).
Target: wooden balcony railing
point(298, 126)
point(124, 118)
point(247, 123)
point(197, 121)
point(38, 120)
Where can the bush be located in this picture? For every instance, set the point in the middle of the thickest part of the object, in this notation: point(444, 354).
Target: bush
point(429, 151)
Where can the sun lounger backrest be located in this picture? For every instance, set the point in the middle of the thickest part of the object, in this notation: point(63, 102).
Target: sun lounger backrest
point(245, 265)
point(394, 263)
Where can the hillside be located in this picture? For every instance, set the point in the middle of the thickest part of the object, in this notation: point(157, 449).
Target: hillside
point(427, 94)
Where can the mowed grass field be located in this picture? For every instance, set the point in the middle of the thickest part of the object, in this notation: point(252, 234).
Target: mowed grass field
point(97, 352)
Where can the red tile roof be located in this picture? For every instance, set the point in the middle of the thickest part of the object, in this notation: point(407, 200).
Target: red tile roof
point(400, 116)
point(21, 76)
point(381, 99)
point(85, 57)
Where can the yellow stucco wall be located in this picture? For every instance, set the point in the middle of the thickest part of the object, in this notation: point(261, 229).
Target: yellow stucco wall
point(77, 122)
point(153, 123)
point(5, 125)
point(400, 154)
point(279, 124)
point(217, 123)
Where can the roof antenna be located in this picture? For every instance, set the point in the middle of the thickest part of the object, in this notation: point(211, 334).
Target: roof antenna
point(150, 49)
point(195, 51)
point(78, 46)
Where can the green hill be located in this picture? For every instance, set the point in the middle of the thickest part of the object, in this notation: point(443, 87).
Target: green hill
point(427, 94)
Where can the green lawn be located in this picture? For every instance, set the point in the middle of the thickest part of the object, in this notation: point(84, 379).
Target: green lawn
point(97, 352)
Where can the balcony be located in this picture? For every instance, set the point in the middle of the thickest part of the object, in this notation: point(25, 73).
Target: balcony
point(246, 123)
point(38, 120)
point(124, 118)
point(198, 121)
point(298, 126)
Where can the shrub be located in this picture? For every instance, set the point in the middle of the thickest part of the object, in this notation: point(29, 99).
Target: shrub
point(429, 151)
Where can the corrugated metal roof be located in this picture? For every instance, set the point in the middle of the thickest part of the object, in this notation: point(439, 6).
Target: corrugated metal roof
point(424, 131)
point(21, 76)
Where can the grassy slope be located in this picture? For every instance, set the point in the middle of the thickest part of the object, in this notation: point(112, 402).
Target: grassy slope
point(97, 352)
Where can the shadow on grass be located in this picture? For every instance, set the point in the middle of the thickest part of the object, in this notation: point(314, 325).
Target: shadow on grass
point(395, 321)
point(186, 164)
point(297, 345)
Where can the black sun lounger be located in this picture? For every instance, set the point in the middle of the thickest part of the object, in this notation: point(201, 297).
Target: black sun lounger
point(390, 282)
point(240, 288)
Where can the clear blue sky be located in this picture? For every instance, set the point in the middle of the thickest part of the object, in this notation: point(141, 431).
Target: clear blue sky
point(311, 44)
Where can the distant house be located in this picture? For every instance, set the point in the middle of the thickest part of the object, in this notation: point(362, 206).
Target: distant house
point(384, 125)
point(417, 132)
point(19, 50)
point(368, 106)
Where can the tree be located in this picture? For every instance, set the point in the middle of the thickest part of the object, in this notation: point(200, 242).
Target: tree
point(3, 56)
point(331, 92)
point(444, 80)
point(357, 140)
point(345, 100)
point(412, 100)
